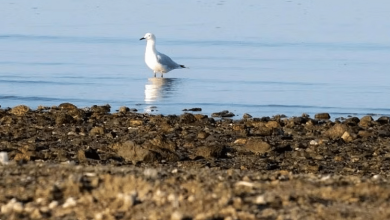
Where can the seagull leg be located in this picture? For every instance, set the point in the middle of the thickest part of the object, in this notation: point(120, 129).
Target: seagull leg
point(162, 75)
point(154, 73)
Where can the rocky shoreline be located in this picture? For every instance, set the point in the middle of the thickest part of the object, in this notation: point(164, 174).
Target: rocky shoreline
point(72, 163)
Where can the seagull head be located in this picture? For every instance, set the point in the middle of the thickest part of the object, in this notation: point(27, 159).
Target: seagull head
point(148, 36)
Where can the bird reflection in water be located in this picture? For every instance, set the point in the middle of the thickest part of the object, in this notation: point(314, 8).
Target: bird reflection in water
point(159, 88)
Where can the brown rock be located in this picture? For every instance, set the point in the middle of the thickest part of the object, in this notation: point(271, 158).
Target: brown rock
point(347, 137)
point(67, 106)
point(81, 156)
point(96, 131)
point(134, 153)
point(6, 120)
point(209, 151)
point(20, 110)
point(272, 124)
point(261, 131)
point(24, 154)
point(240, 141)
point(200, 116)
point(135, 122)
point(257, 146)
point(202, 135)
point(366, 121)
point(322, 116)
point(336, 131)
point(365, 134)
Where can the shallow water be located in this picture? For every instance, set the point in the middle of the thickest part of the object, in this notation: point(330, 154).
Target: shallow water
point(257, 57)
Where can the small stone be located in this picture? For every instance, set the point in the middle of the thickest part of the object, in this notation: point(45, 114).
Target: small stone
point(150, 173)
point(4, 158)
point(202, 135)
point(81, 156)
point(176, 215)
point(347, 137)
point(260, 200)
point(135, 123)
point(209, 151)
point(36, 214)
point(124, 109)
point(246, 115)
point(53, 204)
point(322, 116)
point(96, 131)
point(314, 142)
point(70, 202)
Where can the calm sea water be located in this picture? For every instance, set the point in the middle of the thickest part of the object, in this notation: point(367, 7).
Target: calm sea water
point(258, 57)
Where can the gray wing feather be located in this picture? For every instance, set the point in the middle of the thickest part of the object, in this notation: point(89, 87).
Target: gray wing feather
point(167, 61)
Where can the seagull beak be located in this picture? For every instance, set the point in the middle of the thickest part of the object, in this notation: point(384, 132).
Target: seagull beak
point(142, 38)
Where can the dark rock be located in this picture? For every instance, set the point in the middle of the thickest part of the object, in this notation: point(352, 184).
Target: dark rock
point(91, 154)
point(210, 151)
point(63, 118)
point(322, 116)
point(383, 120)
point(299, 120)
point(224, 113)
point(193, 109)
point(101, 109)
point(67, 106)
point(353, 121)
point(384, 133)
point(187, 118)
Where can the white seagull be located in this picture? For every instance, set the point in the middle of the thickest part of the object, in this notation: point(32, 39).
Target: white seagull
point(158, 62)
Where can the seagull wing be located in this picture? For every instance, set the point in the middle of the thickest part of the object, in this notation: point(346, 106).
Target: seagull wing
point(167, 61)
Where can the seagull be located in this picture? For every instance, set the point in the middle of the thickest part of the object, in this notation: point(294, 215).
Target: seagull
point(158, 62)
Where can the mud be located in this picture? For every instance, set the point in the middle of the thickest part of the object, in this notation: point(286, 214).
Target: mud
point(72, 163)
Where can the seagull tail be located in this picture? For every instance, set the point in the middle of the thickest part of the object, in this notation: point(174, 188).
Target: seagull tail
point(182, 66)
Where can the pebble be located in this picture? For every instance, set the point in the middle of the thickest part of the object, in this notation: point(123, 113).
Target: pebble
point(4, 158)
